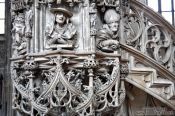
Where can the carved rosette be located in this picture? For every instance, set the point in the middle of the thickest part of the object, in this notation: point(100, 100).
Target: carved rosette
point(57, 65)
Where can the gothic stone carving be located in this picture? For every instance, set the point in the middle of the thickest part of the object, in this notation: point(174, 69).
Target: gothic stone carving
point(79, 90)
point(108, 36)
point(17, 5)
point(22, 28)
point(149, 38)
point(50, 76)
point(67, 57)
point(63, 30)
point(19, 41)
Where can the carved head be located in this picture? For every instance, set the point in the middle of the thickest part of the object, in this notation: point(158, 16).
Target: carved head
point(112, 18)
point(19, 24)
point(61, 14)
point(19, 19)
point(60, 18)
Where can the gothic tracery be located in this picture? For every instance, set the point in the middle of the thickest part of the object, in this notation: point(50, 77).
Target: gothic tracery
point(71, 63)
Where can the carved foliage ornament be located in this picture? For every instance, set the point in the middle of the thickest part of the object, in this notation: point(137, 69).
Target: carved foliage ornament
point(82, 91)
point(70, 64)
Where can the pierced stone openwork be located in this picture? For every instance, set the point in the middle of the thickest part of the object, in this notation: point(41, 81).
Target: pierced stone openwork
point(69, 63)
point(73, 57)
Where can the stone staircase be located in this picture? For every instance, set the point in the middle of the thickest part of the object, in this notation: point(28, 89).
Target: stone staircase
point(146, 72)
point(151, 78)
point(146, 79)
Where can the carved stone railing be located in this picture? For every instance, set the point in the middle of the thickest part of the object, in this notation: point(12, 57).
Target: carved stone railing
point(150, 44)
point(150, 62)
point(60, 62)
point(72, 57)
point(151, 77)
point(151, 34)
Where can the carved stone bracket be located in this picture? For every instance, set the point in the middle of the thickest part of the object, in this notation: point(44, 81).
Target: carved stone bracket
point(67, 57)
point(57, 82)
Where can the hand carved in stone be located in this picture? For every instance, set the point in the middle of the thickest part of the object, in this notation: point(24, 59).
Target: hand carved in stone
point(107, 37)
point(63, 32)
point(133, 29)
point(64, 82)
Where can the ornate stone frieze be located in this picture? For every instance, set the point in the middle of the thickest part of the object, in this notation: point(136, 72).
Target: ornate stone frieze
point(68, 56)
point(58, 85)
point(69, 63)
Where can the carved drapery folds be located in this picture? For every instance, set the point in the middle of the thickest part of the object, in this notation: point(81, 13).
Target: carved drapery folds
point(108, 36)
point(67, 57)
point(63, 31)
point(55, 68)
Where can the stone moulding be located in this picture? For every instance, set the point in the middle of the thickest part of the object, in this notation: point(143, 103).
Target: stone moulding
point(73, 57)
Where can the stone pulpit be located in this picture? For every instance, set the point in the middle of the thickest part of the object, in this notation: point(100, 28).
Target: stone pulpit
point(74, 57)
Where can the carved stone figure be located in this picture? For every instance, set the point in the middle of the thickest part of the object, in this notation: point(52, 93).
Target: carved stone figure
point(107, 37)
point(18, 32)
point(85, 81)
point(63, 31)
point(28, 21)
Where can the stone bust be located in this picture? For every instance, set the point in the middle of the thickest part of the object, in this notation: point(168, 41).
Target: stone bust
point(107, 37)
point(62, 34)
